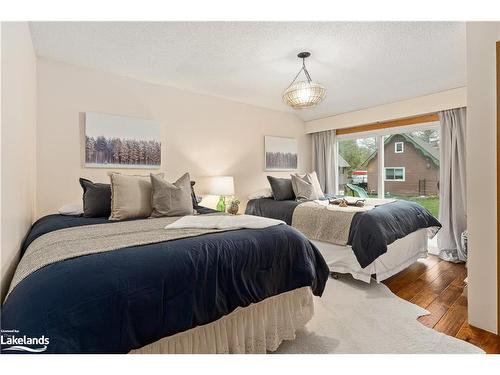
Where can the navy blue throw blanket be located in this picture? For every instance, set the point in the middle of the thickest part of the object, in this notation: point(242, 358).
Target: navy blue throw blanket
point(370, 231)
point(116, 301)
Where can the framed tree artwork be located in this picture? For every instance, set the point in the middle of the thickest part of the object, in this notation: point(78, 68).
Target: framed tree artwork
point(280, 153)
point(121, 142)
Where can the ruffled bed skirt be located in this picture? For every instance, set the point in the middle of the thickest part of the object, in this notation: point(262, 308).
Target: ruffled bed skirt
point(258, 328)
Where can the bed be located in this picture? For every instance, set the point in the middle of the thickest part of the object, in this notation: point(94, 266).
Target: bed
point(127, 287)
point(380, 239)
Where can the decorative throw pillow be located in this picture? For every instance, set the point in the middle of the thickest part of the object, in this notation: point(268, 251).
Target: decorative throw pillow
point(71, 209)
point(130, 197)
point(308, 178)
point(303, 188)
point(317, 186)
point(294, 186)
point(282, 188)
point(262, 193)
point(171, 199)
point(96, 198)
point(194, 198)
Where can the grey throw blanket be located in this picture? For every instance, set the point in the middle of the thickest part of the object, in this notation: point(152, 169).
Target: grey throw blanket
point(327, 222)
point(78, 241)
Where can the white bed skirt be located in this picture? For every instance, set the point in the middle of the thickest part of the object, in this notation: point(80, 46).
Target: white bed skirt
point(255, 329)
point(400, 254)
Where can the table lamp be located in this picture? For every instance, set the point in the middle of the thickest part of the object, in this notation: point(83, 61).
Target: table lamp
point(222, 186)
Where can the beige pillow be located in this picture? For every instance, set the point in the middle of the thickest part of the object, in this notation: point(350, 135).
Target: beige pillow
point(130, 197)
point(171, 199)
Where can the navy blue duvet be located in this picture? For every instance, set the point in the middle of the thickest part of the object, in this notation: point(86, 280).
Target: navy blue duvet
point(120, 300)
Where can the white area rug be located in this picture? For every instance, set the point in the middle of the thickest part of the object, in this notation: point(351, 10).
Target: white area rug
point(354, 317)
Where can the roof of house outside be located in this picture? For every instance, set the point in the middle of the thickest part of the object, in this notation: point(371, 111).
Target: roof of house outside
point(425, 148)
point(342, 162)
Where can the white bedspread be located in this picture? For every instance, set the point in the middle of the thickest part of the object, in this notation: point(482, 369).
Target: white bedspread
point(224, 222)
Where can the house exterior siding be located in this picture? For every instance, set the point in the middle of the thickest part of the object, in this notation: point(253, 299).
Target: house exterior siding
point(421, 174)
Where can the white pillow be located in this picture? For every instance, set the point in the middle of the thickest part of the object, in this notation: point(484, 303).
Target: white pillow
point(71, 209)
point(262, 193)
point(316, 185)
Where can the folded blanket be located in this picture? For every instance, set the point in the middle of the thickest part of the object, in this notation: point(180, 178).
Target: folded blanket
point(223, 222)
point(325, 222)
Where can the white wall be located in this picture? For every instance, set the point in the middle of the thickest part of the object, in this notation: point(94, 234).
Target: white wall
point(481, 173)
point(439, 101)
point(17, 143)
point(201, 134)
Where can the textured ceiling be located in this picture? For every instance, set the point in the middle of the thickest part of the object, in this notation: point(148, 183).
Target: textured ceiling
point(362, 64)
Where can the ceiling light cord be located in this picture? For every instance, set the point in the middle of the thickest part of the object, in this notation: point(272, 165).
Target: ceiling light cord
point(303, 69)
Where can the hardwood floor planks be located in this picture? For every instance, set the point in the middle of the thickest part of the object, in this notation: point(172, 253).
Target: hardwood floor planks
point(454, 318)
point(438, 286)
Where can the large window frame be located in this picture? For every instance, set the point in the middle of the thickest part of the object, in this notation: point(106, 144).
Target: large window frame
point(379, 135)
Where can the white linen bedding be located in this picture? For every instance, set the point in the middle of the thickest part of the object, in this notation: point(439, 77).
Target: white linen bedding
point(400, 254)
point(223, 222)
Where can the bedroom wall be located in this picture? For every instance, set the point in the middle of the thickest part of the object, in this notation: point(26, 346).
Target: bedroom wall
point(481, 173)
point(201, 134)
point(18, 108)
point(439, 101)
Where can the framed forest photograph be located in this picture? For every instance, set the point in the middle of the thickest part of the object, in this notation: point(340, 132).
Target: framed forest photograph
point(121, 142)
point(280, 153)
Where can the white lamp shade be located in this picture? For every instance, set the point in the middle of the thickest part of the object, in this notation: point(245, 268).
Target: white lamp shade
point(221, 185)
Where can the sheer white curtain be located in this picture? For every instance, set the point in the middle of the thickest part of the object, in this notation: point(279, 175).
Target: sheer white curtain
point(324, 149)
point(452, 189)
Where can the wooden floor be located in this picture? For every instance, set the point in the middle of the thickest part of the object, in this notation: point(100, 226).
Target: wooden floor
point(438, 286)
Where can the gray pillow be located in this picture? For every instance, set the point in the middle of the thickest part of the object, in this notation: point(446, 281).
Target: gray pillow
point(171, 199)
point(303, 188)
point(282, 188)
point(96, 198)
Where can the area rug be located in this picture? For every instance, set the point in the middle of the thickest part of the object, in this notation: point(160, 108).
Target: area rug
point(355, 317)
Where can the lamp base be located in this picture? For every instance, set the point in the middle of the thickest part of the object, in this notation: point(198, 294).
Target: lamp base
point(221, 205)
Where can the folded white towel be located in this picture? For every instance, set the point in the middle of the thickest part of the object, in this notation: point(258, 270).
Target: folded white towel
point(223, 222)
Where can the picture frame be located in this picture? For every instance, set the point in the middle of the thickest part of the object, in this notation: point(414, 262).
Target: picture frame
point(112, 141)
point(280, 153)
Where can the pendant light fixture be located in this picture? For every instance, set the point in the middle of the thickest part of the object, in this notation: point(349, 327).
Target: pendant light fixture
point(304, 94)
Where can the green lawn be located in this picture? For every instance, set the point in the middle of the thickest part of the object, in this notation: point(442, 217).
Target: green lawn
point(431, 203)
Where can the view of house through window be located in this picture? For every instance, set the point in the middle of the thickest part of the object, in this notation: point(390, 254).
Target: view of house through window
point(352, 154)
point(410, 170)
point(416, 170)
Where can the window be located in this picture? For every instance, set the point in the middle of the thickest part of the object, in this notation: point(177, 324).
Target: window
point(354, 166)
point(395, 174)
point(399, 163)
